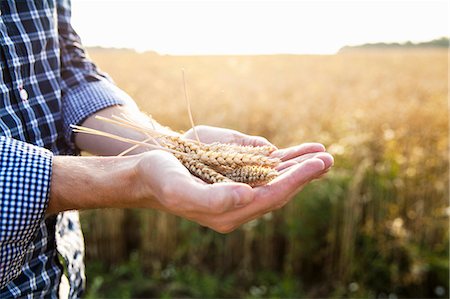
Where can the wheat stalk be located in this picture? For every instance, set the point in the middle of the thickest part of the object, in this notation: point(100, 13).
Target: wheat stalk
point(213, 163)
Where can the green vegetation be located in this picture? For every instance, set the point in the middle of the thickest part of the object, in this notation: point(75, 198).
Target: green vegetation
point(442, 42)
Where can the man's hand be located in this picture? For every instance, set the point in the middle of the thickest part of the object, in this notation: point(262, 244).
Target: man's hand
point(225, 206)
point(157, 180)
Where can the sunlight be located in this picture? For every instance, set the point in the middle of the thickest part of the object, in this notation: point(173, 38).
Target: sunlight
point(255, 27)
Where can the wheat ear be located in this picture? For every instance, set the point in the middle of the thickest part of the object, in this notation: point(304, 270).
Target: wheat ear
point(201, 170)
point(252, 175)
point(264, 150)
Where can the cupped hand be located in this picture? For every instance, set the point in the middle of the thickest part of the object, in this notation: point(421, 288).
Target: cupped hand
point(300, 165)
point(225, 206)
point(162, 176)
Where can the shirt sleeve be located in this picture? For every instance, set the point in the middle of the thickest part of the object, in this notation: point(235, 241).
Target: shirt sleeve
point(85, 89)
point(25, 174)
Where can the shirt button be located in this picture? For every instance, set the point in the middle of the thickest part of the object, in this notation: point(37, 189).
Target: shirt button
point(23, 94)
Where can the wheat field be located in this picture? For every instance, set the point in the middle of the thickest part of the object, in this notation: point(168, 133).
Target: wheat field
point(377, 225)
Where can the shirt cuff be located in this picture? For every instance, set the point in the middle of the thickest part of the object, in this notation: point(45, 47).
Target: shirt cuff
point(86, 99)
point(25, 176)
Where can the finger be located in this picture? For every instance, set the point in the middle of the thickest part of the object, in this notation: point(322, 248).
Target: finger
point(295, 151)
point(217, 198)
point(284, 165)
point(325, 157)
point(326, 170)
point(296, 160)
point(287, 168)
point(323, 174)
point(295, 177)
point(276, 194)
point(260, 141)
point(243, 139)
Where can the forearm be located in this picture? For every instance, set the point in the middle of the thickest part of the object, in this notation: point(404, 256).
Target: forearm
point(96, 182)
point(104, 182)
point(108, 147)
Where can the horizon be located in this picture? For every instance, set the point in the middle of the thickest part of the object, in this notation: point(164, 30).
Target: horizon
point(361, 47)
point(217, 27)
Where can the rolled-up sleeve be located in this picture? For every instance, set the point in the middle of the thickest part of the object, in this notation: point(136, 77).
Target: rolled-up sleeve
point(85, 89)
point(25, 174)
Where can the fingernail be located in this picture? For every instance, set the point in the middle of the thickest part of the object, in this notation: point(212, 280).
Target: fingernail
point(327, 159)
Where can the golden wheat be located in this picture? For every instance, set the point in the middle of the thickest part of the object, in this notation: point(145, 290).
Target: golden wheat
point(213, 163)
point(252, 175)
point(264, 150)
point(201, 170)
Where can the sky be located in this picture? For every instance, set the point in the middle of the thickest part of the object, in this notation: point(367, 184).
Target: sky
point(217, 27)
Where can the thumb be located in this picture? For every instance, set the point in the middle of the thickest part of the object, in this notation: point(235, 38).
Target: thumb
point(223, 197)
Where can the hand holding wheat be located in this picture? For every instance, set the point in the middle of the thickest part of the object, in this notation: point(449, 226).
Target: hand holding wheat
point(212, 162)
point(217, 177)
point(225, 206)
point(159, 174)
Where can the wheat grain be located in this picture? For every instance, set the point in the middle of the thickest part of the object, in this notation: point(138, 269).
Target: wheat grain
point(265, 150)
point(252, 175)
point(227, 157)
point(236, 159)
point(201, 170)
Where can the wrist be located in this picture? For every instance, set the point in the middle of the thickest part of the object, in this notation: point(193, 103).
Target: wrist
point(92, 182)
point(147, 189)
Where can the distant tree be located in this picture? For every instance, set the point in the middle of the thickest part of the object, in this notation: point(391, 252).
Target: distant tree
point(442, 42)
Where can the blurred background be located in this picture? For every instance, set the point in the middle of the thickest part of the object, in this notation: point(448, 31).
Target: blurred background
point(369, 79)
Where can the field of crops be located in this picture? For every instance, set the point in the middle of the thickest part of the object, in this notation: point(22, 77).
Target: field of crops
point(376, 226)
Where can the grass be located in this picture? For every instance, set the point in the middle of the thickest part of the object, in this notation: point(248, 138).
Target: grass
point(376, 226)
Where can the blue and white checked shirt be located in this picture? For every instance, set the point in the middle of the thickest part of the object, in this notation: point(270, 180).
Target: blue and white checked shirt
point(46, 84)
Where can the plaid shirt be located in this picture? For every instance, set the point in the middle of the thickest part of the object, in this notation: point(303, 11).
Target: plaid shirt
point(46, 84)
